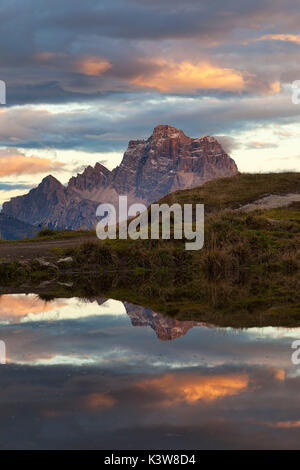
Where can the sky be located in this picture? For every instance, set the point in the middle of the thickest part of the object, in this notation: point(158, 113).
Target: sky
point(84, 78)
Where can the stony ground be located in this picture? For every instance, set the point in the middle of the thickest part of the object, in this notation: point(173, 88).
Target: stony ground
point(270, 202)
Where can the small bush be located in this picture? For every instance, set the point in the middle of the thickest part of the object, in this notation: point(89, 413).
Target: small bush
point(46, 232)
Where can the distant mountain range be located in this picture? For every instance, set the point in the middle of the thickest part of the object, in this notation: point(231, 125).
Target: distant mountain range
point(150, 169)
point(14, 229)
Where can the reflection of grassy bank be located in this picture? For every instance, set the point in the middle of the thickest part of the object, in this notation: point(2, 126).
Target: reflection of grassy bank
point(253, 299)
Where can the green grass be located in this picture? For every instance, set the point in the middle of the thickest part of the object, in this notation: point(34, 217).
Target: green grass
point(49, 234)
point(246, 274)
point(290, 213)
point(237, 190)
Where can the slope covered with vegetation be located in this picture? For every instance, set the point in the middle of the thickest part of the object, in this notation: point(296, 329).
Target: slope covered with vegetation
point(248, 269)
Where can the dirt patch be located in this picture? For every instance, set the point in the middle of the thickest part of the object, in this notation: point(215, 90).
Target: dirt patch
point(29, 250)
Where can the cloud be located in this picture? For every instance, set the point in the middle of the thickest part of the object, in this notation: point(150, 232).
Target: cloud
point(281, 37)
point(261, 145)
point(99, 401)
point(14, 307)
point(108, 125)
point(46, 56)
point(5, 186)
point(286, 424)
point(274, 87)
point(75, 51)
point(186, 76)
point(92, 66)
point(228, 143)
point(91, 76)
point(177, 388)
point(12, 162)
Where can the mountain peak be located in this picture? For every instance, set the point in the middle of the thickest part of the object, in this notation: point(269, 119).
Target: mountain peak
point(164, 131)
point(91, 178)
point(167, 161)
point(50, 182)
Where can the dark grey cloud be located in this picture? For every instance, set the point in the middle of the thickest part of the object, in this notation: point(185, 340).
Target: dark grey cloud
point(90, 55)
point(125, 31)
point(109, 124)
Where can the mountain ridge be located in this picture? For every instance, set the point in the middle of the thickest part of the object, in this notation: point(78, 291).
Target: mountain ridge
point(165, 162)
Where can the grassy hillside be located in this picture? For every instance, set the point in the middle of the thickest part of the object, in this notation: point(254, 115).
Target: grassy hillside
point(248, 269)
point(236, 191)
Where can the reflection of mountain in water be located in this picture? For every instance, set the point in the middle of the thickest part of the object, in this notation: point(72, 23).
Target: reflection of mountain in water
point(166, 328)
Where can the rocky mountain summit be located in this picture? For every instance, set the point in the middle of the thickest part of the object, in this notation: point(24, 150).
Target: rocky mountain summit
point(167, 161)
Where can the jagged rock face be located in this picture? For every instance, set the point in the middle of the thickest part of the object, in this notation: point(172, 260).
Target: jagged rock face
point(35, 206)
point(53, 205)
point(169, 160)
point(91, 179)
point(150, 169)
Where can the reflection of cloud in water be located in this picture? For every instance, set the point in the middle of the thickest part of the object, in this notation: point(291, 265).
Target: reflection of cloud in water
point(15, 307)
point(61, 360)
point(223, 407)
point(89, 379)
point(176, 388)
point(30, 308)
point(99, 332)
point(98, 401)
point(274, 332)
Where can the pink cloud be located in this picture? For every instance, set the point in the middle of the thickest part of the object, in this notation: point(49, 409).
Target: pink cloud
point(13, 162)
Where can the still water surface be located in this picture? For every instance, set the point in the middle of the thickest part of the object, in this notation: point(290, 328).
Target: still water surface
point(102, 374)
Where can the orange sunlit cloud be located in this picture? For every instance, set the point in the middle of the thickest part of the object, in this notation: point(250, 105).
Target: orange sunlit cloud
point(46, 56)
point(15, 307)
point(191, 389)
point(186, 76)
point(279, 374)
point(281, 37)
point(92, 66)
point(274, 88)
point(12, 162)
point(260, 144)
